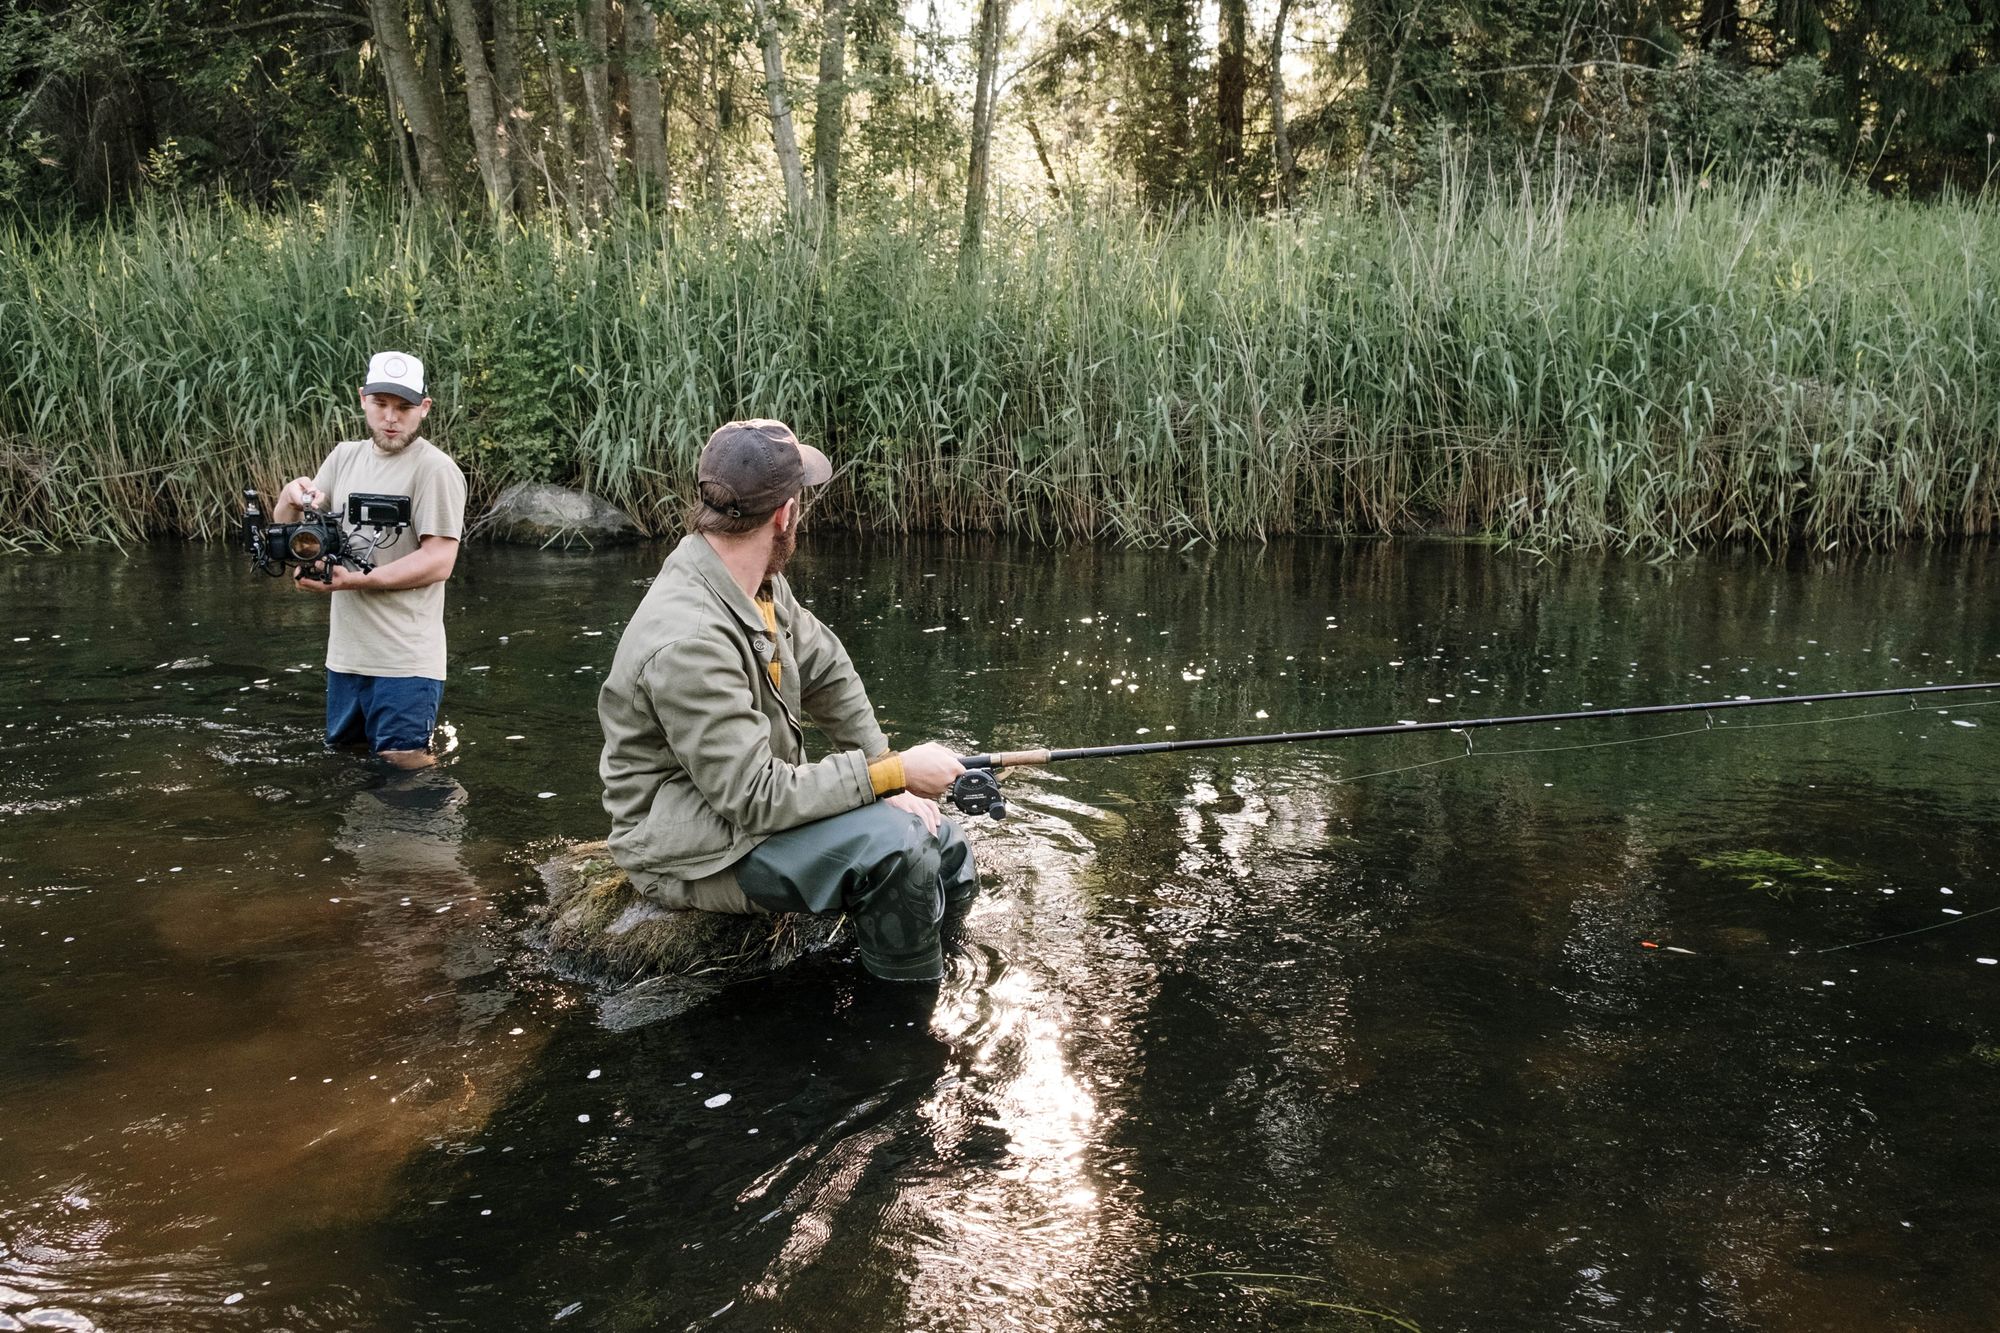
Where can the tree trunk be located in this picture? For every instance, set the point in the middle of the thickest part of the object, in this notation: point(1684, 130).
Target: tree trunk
point(720, 110)
point(1555, 83)
point(1385, 104)
point(1232, 86)
point(1180, 49)
point(594, 18)
point(568, 160)
point(830, 110)
point(399, 134)
point(782, 137)
point(418, 97)
point(992, 17)
point(1281, 144)
point(482, 107)
point(1720, 26)
point(642, 76)
point(509, 102)
point(434, 46)
point(1042, 152)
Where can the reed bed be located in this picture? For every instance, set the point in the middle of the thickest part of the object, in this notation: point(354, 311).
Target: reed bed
point(1772, 363)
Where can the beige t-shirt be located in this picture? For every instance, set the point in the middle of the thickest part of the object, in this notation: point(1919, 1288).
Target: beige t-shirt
point(397, 633)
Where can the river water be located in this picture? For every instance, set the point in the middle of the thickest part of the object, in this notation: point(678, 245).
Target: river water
point(1363, 1036)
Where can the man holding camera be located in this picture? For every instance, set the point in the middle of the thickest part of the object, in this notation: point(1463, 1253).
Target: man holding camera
point(713, 805)
point(385, 657)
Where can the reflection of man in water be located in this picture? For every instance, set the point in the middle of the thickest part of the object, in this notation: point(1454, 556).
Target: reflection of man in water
point(385, 637)
point(713, 805)
point(405, 834)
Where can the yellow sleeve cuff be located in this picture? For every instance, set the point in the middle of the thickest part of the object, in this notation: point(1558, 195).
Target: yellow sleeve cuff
point(886, 774)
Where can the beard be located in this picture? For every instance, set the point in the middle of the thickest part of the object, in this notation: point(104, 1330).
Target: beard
point(389, 446)
point(782, 546)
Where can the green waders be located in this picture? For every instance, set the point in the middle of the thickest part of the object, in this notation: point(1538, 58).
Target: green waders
point(881, 866)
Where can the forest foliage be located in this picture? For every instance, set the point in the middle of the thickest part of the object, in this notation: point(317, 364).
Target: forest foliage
point(808, 107)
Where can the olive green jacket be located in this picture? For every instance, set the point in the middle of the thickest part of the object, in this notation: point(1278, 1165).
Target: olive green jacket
point(704, 757)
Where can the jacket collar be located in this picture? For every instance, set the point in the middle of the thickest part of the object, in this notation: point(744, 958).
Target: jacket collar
point(695, 551)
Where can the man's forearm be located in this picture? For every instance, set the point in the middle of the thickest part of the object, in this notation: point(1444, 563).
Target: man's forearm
point(419, 569)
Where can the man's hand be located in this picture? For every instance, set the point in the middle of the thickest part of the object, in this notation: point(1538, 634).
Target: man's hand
point(929, 768)
point(344, 579)
point(925, 810)
point(298, 496)
point(430, 563)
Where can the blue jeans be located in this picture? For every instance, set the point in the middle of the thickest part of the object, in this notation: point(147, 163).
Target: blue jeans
point(385, 712)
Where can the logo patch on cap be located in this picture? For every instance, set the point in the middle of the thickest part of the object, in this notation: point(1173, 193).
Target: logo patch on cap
point(395, 365)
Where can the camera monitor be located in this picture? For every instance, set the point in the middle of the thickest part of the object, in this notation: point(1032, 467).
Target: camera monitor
point(378, 511)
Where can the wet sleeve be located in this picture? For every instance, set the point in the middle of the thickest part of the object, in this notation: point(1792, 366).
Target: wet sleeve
point(698, 691)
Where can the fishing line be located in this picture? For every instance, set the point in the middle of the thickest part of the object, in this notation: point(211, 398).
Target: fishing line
point(1732, 726)
point(1707, 730)
point(1935, 925)
point(982, 770)
point(1407, 768)
point(976, 782)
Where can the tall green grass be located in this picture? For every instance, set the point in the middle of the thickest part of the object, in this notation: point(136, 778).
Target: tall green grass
point(1769, 363)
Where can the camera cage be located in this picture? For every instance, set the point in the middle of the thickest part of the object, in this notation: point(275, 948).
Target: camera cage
point(319, 540)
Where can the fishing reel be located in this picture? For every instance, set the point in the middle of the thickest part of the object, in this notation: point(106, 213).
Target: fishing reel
point(976, 792)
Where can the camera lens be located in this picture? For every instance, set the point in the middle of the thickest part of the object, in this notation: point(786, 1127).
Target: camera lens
point(306, 545)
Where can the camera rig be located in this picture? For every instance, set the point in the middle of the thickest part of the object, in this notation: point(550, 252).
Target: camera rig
point(319, 541)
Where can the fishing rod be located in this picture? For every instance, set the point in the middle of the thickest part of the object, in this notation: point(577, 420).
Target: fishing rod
point(977, 790)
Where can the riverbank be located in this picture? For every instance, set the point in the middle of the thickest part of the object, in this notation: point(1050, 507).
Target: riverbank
point(1774, 364)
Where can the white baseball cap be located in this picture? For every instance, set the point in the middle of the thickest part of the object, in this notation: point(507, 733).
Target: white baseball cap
point(395, 372)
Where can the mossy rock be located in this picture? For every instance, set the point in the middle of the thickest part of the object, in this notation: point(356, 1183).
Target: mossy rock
point(537, 514)
point(598, 927)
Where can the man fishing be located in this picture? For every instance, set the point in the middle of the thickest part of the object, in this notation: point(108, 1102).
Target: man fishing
point(713, 805)
point(385, 658)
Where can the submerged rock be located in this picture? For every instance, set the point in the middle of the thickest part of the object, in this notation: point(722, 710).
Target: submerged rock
point(535, 514)
point(598, 927)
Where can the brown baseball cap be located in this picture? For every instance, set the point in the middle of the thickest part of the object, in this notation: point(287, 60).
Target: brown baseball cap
point(751, 467)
